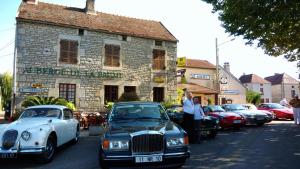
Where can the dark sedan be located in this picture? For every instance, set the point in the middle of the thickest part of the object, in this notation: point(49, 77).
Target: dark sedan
point(141, 134)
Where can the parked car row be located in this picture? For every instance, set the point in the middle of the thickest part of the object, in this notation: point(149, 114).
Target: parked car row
point(136, 133)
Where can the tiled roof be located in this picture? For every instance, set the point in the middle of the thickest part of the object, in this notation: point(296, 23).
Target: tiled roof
point(194, 88)
point(76, 17)
point(196, 63)
point(281, 78)
point(252, 78)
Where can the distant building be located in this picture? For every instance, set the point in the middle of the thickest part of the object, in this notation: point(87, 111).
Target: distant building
point(259, 85)
point(231, 89)
point(200, 78)
point(283, 86)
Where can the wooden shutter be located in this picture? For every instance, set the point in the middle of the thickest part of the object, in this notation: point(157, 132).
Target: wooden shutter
point(158, 62)
point(68, 51)
point(112, 55)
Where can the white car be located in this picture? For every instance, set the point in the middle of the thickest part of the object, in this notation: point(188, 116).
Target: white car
point(39, 130)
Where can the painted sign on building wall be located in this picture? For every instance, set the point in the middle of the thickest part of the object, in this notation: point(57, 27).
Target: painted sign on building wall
point(200, 76)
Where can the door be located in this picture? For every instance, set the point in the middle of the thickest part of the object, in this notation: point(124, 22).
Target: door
point(70, 125)
point(158, 94)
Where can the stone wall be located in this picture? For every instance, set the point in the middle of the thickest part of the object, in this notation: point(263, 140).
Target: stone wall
point(38, 47)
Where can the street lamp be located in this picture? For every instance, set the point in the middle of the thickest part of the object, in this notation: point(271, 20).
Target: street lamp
point(217, 65)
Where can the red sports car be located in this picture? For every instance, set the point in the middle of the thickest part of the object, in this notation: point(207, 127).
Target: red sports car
point(227, 119)
point(280, 111)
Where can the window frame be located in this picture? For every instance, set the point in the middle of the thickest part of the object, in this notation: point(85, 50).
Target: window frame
point(111, 57)
point(111, 95)
point(67, 91)
point(157, 62)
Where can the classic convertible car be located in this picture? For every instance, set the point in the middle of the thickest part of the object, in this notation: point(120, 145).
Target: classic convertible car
point(227, 119)
point(280, 111)
point(252, 117)
point(39, 131)
point(271, 115)
point(141, 134)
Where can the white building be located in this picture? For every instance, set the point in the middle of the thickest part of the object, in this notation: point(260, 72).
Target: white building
point(258, 84)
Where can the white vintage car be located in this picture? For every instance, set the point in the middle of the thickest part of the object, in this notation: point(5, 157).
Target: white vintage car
point(39, 130)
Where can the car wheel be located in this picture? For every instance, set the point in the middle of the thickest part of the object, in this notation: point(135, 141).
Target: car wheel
point(75, 140)
point(49, 153)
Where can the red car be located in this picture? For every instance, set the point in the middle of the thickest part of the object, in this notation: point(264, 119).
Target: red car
point(227, 119)
point(280, 111)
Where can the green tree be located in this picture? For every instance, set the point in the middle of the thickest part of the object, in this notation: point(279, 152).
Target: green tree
point(37, 100)
point(253, 97)
point(6, 88)
point(274, 25)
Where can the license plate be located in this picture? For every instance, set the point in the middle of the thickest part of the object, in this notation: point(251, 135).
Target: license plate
point(8, 155)
point(237, 121)
point(148, 159)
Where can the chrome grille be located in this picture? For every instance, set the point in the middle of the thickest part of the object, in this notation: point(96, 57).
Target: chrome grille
point(147, 143)
point(9, 139)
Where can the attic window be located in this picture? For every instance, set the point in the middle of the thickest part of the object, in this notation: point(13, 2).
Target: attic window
point(158, 43)
point(124, 37)
point(80, 32)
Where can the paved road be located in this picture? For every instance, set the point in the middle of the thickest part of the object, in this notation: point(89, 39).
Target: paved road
point(274, 146)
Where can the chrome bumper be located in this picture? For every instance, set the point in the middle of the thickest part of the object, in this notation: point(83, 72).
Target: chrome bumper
point(25, 150)
point(167, 155)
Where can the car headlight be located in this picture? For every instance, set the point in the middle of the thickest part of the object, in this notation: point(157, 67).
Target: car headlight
point(175, 141)
point(26, 135)
point(115, 144)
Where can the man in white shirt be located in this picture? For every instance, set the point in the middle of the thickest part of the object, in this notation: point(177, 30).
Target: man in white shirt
point(188, 116)
point(198, 116)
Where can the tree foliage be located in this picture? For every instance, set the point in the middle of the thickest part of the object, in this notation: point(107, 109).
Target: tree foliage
point(6, 88)
point(253, 97)
point(37, 100)
point(274, 25)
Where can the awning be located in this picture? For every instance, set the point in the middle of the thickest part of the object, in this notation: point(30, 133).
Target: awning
point(194, 88)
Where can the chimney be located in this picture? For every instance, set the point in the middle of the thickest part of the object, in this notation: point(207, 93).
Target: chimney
point(31, 1)
point(227, 66)
point(90, 7)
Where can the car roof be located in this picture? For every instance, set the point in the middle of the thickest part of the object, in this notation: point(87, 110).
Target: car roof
point(47, 106)
point(136, 103)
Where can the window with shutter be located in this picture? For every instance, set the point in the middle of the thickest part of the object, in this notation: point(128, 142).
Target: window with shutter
point(110, 93)
point(112, 55)
point(67, 91)
point(158, 62)
point(68, 51)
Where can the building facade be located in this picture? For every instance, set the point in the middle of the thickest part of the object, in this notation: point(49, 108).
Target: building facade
point(89, 57)
point(200, 78)
point(231, 89)
point(257, 84)
point(283, 86)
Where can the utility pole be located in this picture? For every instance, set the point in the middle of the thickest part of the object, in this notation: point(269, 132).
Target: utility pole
point(217, 72)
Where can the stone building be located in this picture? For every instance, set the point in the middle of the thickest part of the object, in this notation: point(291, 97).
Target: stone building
point(231, 89)
point(283, 86)
point(90, 57)
point(259, 85)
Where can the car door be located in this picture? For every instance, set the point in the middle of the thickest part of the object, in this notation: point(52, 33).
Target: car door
point(70, 126)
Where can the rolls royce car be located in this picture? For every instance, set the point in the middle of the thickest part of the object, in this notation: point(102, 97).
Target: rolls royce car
point(141, 134)
point(38, 131)
point(271, 115)
point(252, 117)
point(227, 119)
point(280, 111)
point(209, 124)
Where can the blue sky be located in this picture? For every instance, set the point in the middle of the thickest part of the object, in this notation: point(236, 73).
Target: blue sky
point(190, 21)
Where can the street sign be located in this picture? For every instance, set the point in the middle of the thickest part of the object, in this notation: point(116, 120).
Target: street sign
point(32, 90)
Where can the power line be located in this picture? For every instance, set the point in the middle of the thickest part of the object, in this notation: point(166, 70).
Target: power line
point(7, 45)
point(6, 55)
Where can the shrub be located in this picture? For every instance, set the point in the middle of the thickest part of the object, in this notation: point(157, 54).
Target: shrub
point(37, 100)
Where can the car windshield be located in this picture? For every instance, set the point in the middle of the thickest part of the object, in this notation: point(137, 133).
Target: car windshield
point(235, 107)
point(275, 106)
point(217, 109)
point(41, 112)
point(138, 111)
